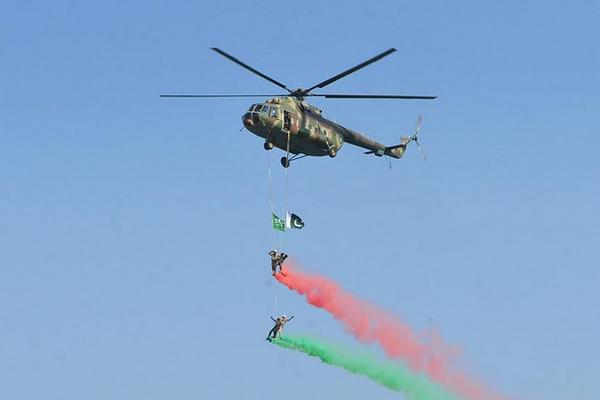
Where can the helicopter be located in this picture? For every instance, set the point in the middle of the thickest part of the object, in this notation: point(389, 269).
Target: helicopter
point(288, 122)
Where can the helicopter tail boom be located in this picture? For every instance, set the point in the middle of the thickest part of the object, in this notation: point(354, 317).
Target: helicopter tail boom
point(396, 151)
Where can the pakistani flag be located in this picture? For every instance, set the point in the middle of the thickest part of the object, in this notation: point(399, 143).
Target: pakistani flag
point(293, 221)
point(278, 224)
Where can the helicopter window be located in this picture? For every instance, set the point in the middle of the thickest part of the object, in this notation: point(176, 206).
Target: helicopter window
point(251, 107)
point(266, 109)
point(273, 112)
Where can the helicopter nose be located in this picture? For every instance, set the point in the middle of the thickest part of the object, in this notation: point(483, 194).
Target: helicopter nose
point(247, 120)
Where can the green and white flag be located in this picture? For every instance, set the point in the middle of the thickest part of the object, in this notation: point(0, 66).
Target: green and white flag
point(293, 221)
point(278, 224)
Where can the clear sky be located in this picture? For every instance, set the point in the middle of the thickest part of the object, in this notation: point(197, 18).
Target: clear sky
point(135, 230)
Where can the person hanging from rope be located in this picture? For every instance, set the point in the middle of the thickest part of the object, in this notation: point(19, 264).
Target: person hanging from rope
point(280, 322)
point(277, 260)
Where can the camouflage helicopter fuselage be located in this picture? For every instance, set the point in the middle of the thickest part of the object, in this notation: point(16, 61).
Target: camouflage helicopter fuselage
point(287, 118)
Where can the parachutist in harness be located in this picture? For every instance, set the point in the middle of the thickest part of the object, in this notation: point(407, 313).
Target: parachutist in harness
point(277, 260)
point(278, 328)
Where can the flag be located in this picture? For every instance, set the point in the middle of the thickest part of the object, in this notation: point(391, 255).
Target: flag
point(293, 221)
point(278, 224)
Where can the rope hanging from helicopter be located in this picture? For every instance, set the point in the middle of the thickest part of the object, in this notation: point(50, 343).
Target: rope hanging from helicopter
point(274, 235)
point(285, 193)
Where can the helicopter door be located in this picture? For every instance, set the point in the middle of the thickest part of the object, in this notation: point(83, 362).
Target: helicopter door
point(287, 121)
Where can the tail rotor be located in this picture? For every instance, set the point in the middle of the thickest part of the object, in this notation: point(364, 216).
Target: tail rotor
point(415, 137)
point(397, 151)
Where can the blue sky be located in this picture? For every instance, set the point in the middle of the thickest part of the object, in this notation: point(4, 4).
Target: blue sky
point(135, 229)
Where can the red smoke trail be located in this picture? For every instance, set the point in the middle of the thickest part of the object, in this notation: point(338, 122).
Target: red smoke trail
point(369, 324)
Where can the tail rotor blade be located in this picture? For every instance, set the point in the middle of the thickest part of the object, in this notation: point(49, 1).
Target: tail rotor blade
point(420, 149)
point(419, 122)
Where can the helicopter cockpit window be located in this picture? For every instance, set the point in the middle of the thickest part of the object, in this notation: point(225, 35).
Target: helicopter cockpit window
point(258, 108)
point(266, 109)
point(251, 107)
point(273, 112)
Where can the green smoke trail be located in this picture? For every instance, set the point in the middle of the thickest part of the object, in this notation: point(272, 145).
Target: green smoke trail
point(387, 373)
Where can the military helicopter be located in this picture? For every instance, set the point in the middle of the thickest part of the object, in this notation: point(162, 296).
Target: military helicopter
point(288, 122)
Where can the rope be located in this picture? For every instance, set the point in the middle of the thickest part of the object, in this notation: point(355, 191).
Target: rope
point(284, 210)
point(273, 236)
point(285, 193)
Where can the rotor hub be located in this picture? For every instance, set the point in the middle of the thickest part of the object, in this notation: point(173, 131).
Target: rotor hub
point(299, 93)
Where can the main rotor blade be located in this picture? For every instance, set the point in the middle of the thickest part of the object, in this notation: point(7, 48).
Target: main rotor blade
point(351, 70)
point(249, 68)
point(222, 95)
point(373, 96)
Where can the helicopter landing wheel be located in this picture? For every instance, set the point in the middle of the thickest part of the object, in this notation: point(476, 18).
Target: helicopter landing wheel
point(332, 153)
point(268, 145)
point(285, 162)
